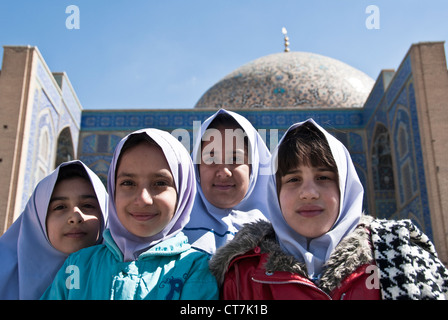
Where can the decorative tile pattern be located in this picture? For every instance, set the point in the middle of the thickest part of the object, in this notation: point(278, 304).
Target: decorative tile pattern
point(290, 80)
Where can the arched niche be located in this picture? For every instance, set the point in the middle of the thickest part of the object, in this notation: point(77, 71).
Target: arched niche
point(383, 173)
point(65, 151)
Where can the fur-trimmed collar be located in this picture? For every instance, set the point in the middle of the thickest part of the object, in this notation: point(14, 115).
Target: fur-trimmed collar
point(353, 251)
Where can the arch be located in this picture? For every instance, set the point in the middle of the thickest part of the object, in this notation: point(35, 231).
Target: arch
point(43, 152)
point(64, 149)
point(406, 166)
point(383, 173)
point(403, 141)
point(44, 147)
point(382, 166)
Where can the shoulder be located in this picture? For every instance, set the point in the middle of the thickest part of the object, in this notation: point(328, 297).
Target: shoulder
point(385, 231)
point(198, 281)
point(407, 261)
point(393, 232)
point(90, 251)
point(90, 255)
point(399, 238)
point(173, 246)
point(195, 256)
point(179, 251)
point(250, 236)
point(352, 252)
point(195, 263)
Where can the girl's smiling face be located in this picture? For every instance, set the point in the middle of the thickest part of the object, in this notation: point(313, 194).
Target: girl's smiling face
point(224, 170)
point(309, 200)
point(145, 191)
point(74, 215)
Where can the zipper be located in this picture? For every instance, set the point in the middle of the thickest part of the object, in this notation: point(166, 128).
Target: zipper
point(293, 281)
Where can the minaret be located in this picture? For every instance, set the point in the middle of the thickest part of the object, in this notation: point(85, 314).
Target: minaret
point(285, 32)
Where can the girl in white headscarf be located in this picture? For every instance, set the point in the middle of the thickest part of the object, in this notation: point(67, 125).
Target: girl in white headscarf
point(320, 245)
point(66, 212)
point(145, 255)
point(232, 175)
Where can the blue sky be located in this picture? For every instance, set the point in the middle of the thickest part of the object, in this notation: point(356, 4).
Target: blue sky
point(165, 54)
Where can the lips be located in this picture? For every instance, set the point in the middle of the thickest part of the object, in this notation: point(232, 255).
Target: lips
point(143, 216)
point(75, 234)
point(223, 186)
point(310, 211)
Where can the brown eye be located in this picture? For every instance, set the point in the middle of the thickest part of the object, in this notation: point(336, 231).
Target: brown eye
point(127, 183)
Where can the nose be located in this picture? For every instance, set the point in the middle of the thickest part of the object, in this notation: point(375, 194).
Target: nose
point(76, 216)
point(144, 197)
point(223, 171)
point(308, 191)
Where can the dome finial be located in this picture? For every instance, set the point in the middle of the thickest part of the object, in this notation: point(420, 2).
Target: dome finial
point(285, 32)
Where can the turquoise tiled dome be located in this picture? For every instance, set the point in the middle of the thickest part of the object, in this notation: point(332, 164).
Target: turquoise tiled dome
point(290, 80)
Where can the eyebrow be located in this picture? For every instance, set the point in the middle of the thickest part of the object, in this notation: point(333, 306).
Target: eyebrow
point(133, 175)
point(84, 196)
point(125, 174)
point(319, 169)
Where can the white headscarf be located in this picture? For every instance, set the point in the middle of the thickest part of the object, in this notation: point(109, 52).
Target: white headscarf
point(28, 261)
point(182, 170)
point(350, 211)
point(211, 227)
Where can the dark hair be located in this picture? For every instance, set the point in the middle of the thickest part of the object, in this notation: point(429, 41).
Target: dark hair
point(70, 171)
point(224, 120)
point(303, 145)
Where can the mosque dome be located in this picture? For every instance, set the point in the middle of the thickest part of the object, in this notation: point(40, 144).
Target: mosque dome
point(290, 80)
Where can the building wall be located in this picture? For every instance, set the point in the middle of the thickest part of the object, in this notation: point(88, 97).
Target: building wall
point(34, 109)
point(14, 96)
point(409, 103)
point(429, 67)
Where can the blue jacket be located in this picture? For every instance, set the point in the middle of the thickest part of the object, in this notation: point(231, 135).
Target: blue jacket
point(170, 270)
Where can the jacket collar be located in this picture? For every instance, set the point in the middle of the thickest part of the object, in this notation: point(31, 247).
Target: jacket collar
point(169, 247)
point(353, 251)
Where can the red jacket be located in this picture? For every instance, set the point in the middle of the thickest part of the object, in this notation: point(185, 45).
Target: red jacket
point(266, 272)
point(248, 279)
